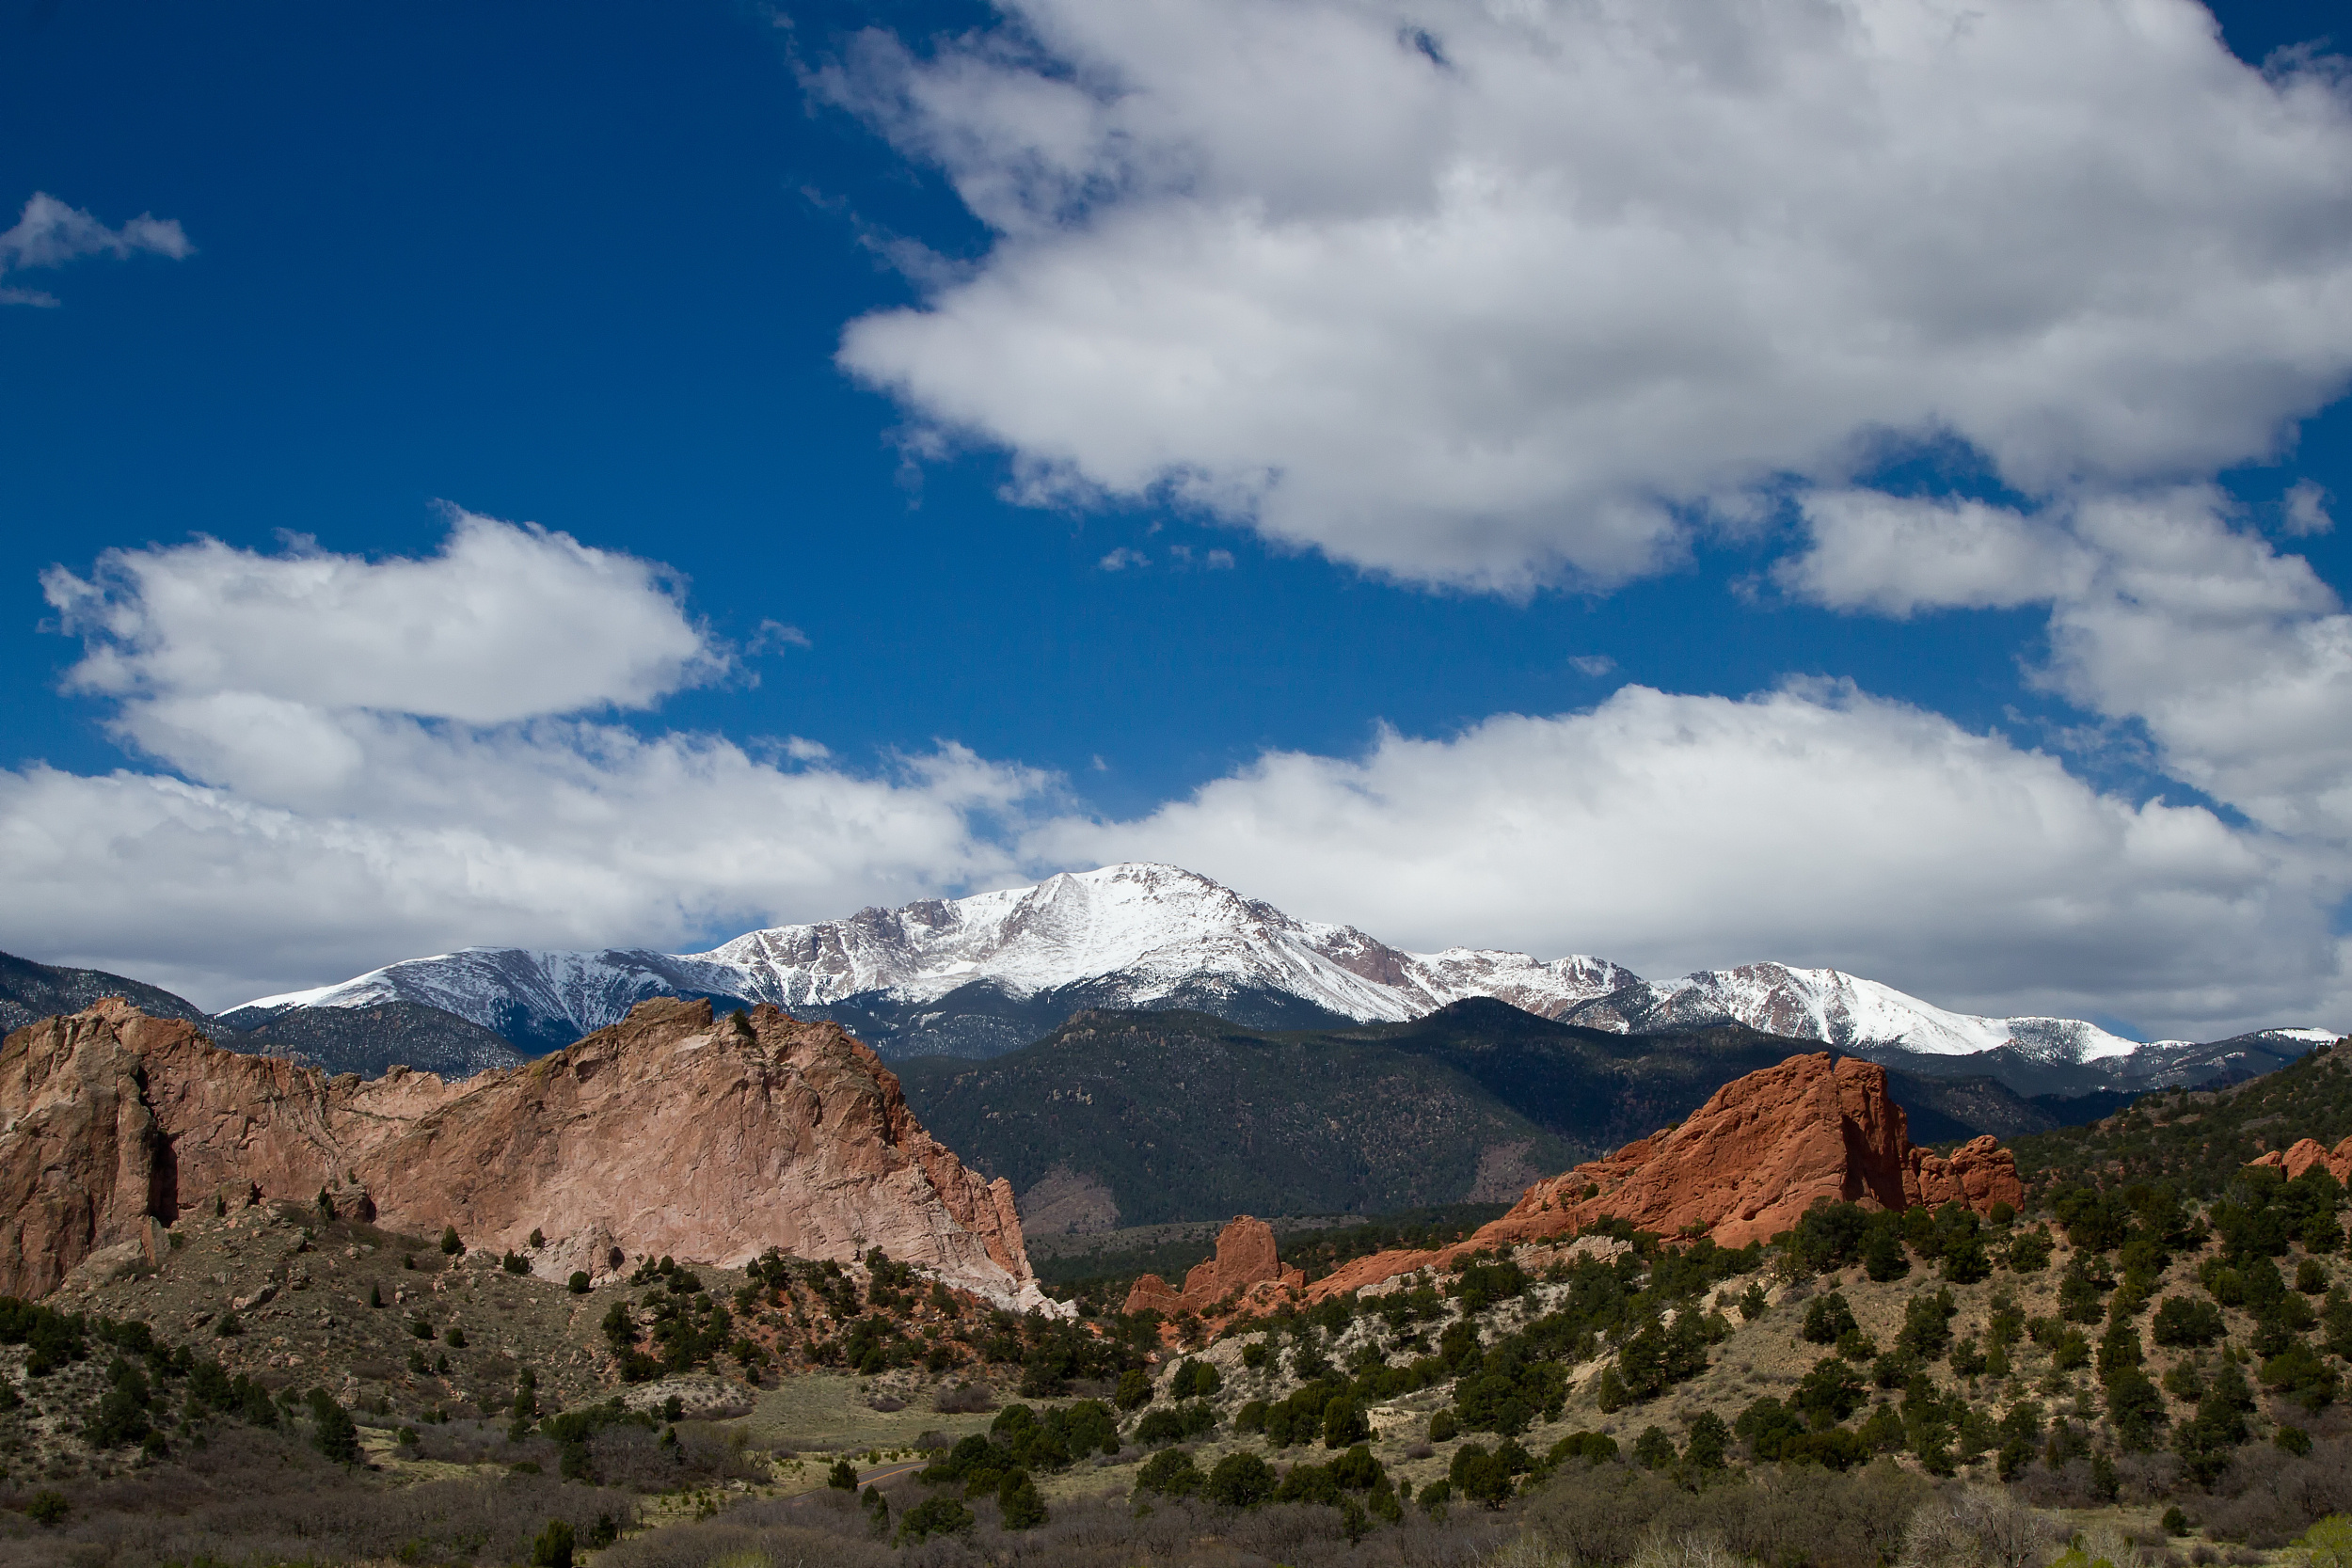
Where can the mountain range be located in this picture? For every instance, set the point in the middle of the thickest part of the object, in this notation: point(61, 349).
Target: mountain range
point(981, 975)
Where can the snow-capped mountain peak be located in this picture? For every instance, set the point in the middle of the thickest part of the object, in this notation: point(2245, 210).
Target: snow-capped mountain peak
point(1841, 1009)
point(991, 971)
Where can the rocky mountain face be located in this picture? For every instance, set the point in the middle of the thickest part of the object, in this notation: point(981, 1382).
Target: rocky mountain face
point(1744, 1166)
point(30, 991)
point(673, 1131)
point(979, 976)
point(1244, 1273)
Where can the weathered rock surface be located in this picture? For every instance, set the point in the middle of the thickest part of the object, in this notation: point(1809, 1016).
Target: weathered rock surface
point(671, 1131)
point(1246, 1273)
point(1744, 1166)
point(2304, 1153)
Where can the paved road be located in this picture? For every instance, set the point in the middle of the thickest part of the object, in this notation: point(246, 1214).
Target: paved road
point(891, 1471)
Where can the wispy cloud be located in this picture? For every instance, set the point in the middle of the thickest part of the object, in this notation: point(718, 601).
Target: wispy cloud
point(48, 233)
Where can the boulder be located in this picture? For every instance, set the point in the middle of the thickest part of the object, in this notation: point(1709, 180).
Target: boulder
point(2304, 1153)
point(673, 1131)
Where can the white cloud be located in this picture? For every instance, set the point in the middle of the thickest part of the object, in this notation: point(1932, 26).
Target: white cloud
point(1122, 557)
point(1897, 555)
point(504, 623)
point(2303, 511)
point(1524, 309)
point(2235, 659)
point(374, 760)
point(1592, 664)
point(48, 233)
point(1812, 824)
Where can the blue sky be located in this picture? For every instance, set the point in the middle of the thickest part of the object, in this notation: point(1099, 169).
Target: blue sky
point(1233, 435)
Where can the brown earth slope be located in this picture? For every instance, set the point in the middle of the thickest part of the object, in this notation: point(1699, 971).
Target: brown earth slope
point(670, 1132)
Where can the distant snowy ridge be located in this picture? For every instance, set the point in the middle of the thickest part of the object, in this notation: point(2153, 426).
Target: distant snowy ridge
point(1839, 1009)
point(979, 974)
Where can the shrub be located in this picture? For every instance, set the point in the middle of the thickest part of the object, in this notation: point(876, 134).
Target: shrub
point(1443, 1428)
point(2183, 1323)
point(333, 1433)
point(1826, 1317)
point(1594, 1448)
point(577, 1284)
point(1343, 1423)
point(1707, 1442)
point(1927, 1330)
point(1983, 1527)
point(1018, 1505)
point(553, 1547)
point(934, 1516)
point(842, 1477)
point(1171, 1473)
point(1654, 1450)
point(1480, 1476)
point(2028, 1251)
point(1240, 1481)
point(1134, 1389)
point(449, 1243)
point(2328, 1542)
point(1160, 1427)
point(47, 1508)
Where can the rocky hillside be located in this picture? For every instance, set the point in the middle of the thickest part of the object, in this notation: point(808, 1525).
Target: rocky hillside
point(2201, 1139)
point(671, 1132)
point(1135, 1119)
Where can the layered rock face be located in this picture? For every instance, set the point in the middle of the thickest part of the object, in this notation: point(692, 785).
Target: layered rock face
point(1744, 1166)
point(671, 1131)
point(1244, 1269)
point(2304, 1153)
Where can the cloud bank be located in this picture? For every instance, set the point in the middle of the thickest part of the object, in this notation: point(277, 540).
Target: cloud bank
point(375, 758)
point(1496, 296)
point(370, 759)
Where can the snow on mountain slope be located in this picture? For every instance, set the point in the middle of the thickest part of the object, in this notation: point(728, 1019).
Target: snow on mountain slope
point(1133, 936)
point(986, 973)
point(1842, 1010)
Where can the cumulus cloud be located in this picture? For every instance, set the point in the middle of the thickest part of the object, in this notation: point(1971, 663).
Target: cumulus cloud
point(376, 758)
point(1494, 295)
point(48, 233)
point(2165, 612)
point(1813, 824)
point(1899, 555)
point(504, 623)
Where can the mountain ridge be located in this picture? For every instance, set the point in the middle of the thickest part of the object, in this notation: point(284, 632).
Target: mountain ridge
point(984, 975)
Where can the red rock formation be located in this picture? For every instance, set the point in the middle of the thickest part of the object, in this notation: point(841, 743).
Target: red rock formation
point(1244, 1269)
point(2304, 1153)
point(1744, 1166)
point(669, 1132)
